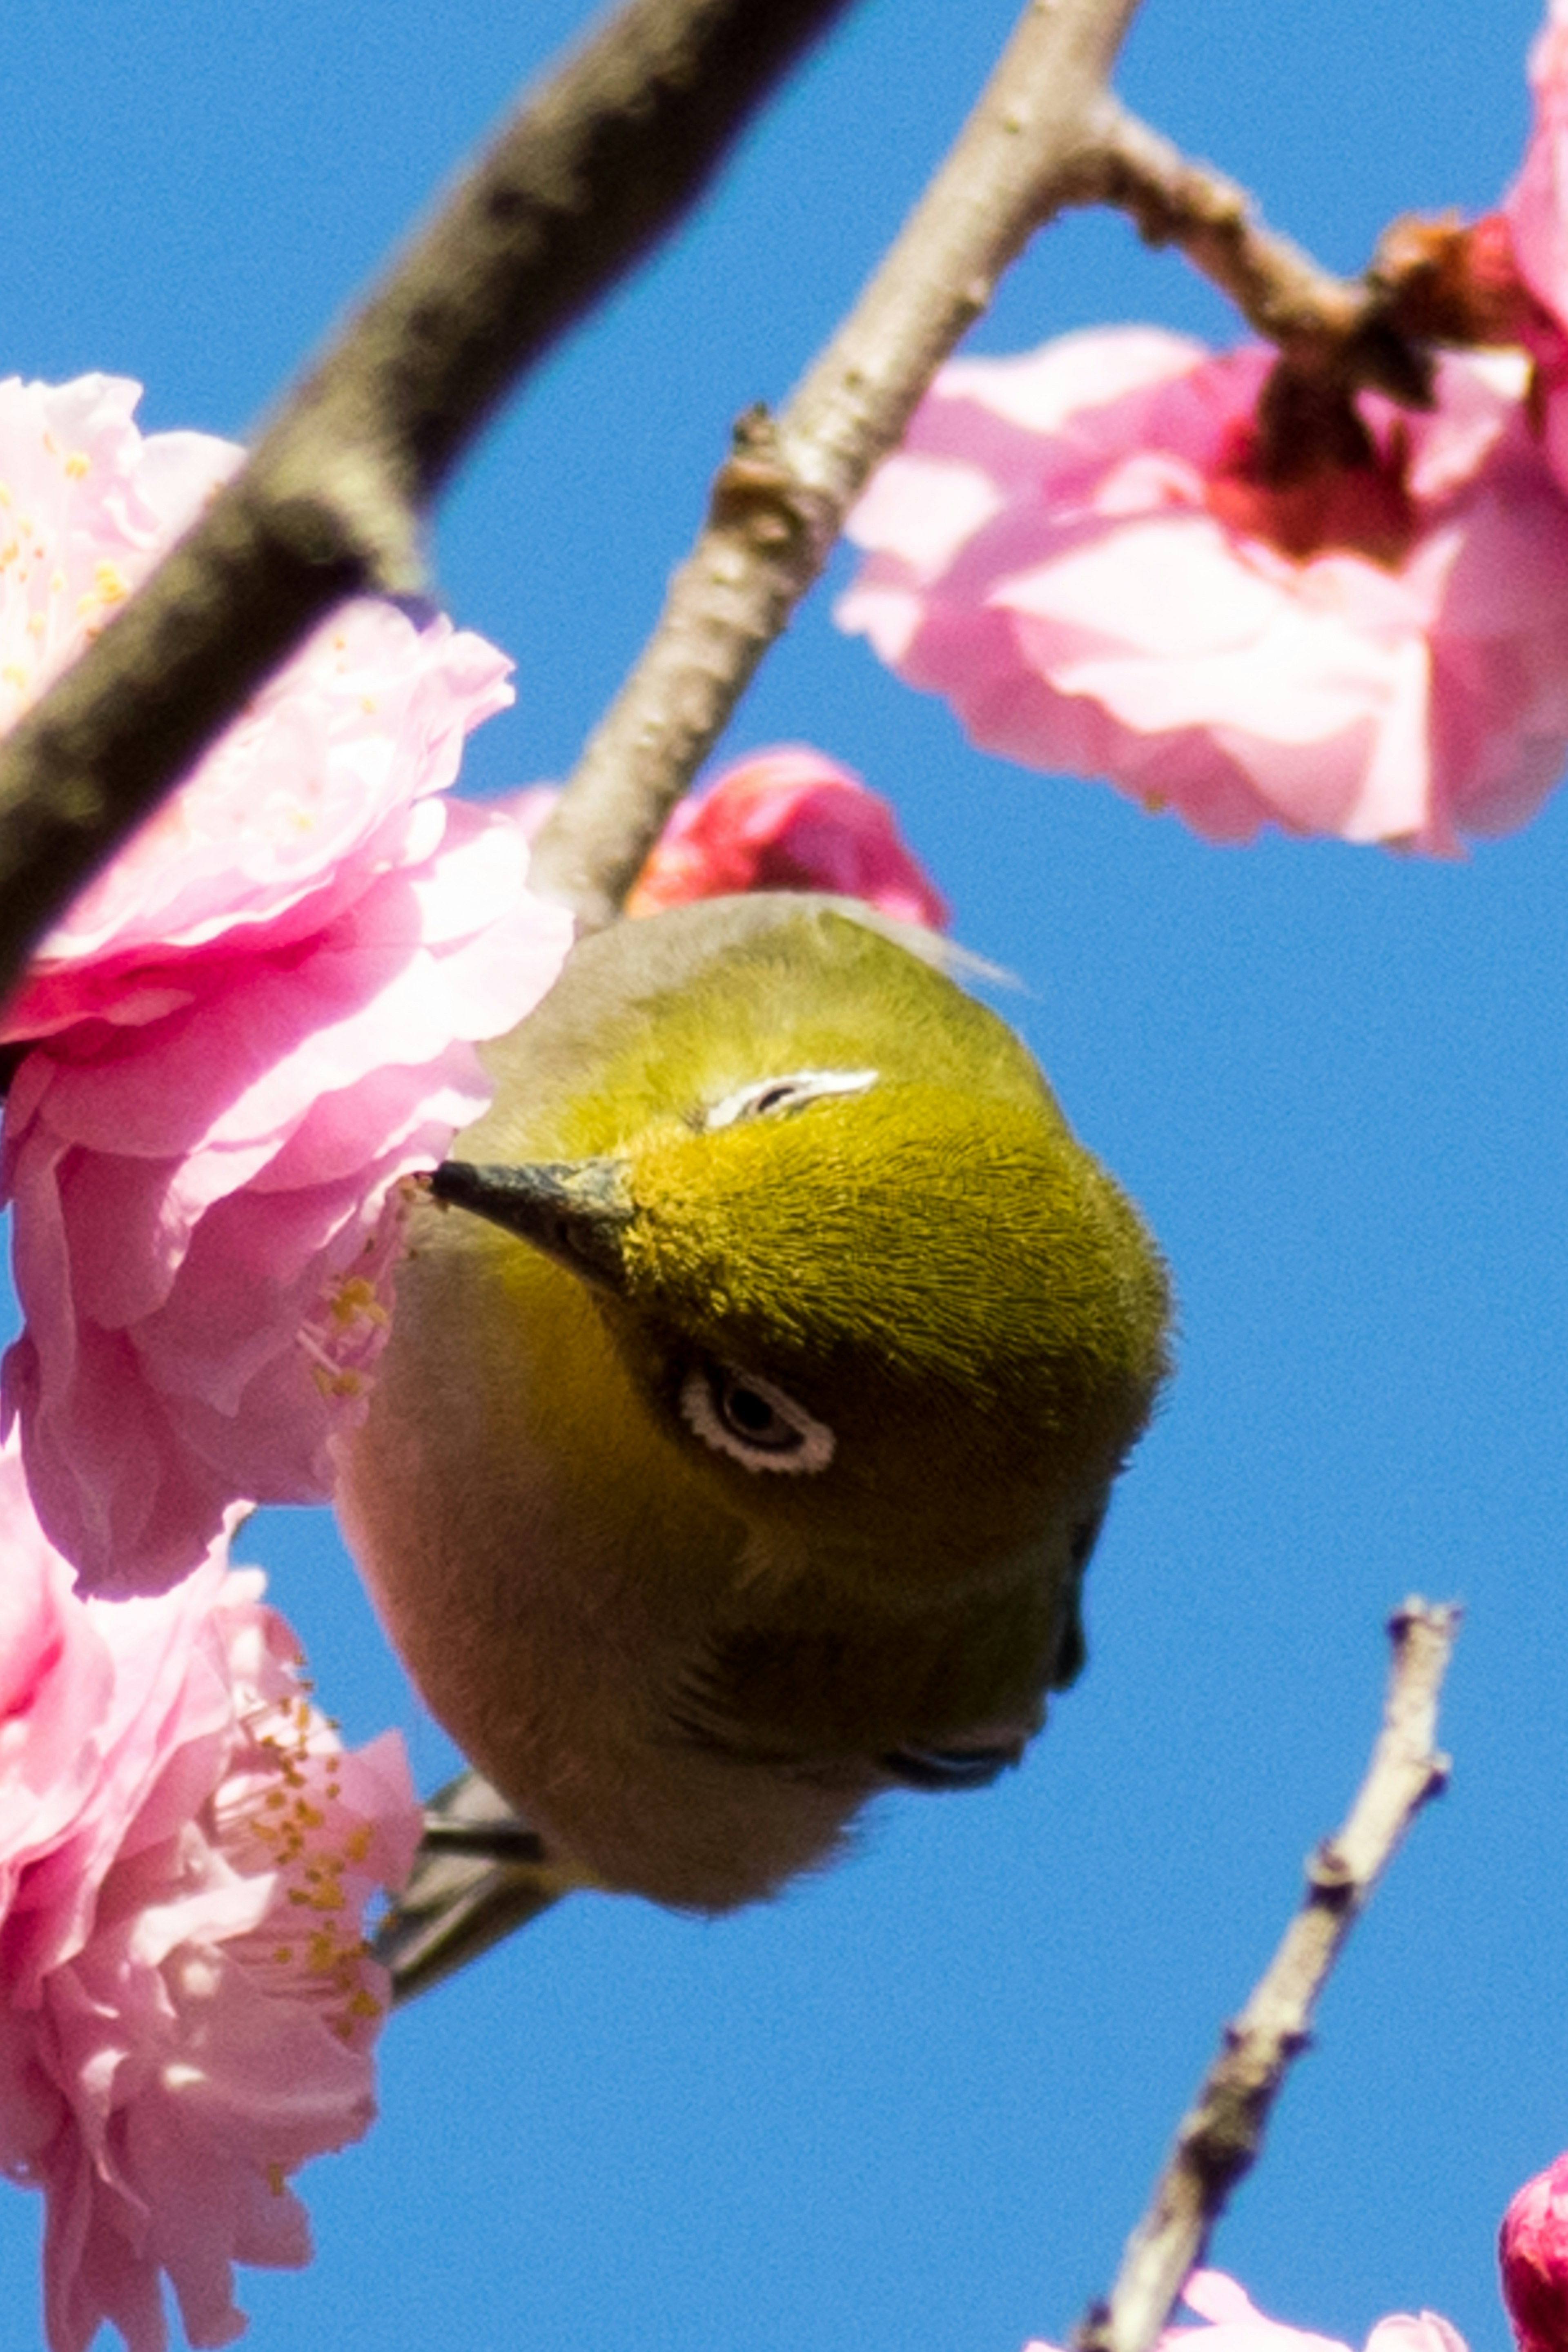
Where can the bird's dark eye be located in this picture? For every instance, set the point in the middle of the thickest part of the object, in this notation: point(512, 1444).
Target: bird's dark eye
point(752, 1419)
point(775, 1098)
point(939, 1769)
point(790, 1090)
point(748, 1414)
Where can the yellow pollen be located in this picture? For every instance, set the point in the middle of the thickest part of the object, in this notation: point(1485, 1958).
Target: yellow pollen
point(277, 2179)
point(77, 464)
point(110, 581)
point(355, 1295)
point(357, 1843)
point(365, 2005)
point(14, 675)
point(1155, 803)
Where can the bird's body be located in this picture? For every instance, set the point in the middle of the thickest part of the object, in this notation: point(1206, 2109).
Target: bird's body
point(739, 1457)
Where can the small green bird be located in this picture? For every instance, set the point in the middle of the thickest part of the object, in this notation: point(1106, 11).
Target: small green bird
point(759, 1374)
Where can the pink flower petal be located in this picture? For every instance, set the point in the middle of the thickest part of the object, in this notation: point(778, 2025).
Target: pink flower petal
point(1533, 2255)
point(242, 1036)
point(189, 2011)
point(789, 819)
point(1060, 551)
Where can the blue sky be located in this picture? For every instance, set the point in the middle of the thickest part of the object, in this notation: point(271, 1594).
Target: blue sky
point(915, 2105)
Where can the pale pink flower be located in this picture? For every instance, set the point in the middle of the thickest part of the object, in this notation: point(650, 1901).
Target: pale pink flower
point(790, 819)
point(241, 1035)
point(1076, 549)
point(1535, 219)
point(189, 2008)
point(1532, 2254)
point(1536, 207)
point(1233, 2323)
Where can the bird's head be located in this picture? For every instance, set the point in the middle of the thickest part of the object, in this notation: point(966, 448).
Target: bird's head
point(900, 1315)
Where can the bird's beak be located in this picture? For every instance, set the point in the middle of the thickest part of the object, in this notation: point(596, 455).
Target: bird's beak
point(574, 1210)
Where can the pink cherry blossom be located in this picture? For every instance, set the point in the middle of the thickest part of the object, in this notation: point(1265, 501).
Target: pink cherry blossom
point(790, 819)
point(1076, 548)
point(1532, 2251)
point(1536, 207)
point(186, 1850)
point(1534, 226)
point(240, 1038)
point(1233, 2323)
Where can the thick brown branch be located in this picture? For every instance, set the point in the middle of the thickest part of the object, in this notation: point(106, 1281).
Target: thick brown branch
point(1218, 2141)
point(781, 499)
point(601, 161)
point(1320, 323)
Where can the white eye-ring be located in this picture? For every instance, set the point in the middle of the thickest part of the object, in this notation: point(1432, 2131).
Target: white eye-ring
point(790, 1091)
point(748, 1418)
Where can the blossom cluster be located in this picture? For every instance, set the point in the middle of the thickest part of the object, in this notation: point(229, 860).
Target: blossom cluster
point(1108, 555)
point(1128, 556)
point(221, 1062)
point(237, 1041)
point(186, 1850)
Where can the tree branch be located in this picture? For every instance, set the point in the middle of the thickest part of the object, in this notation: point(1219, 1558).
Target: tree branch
point(1219, 2140)
point(779, 502)
point(601, 161)
point(1322, 324)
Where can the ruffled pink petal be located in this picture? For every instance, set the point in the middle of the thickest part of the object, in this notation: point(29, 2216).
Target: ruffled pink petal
point(1053, 551)
point(1532, 2255)
point(1425, 2331)
point(189, 2011)
point(248, 1028)
point(1536, 207)
point(790, 819)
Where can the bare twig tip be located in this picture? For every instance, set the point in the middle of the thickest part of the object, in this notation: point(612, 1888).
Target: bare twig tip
point(1219, 2138)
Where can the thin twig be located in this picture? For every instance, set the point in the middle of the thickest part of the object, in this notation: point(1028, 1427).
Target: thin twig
point(1219, 2140)
point(603, 160)
point(1338, 325)
point(780, 501)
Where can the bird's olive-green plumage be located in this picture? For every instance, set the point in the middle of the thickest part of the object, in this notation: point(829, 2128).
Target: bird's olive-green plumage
point(742, 1454)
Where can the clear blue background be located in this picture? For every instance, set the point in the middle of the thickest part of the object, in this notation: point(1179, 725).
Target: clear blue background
point(916, 2105)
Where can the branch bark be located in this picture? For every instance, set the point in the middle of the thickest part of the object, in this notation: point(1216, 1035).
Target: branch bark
point(1219, 2139)
point(588, 176)
point(780, 500)
point(1346, 327)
